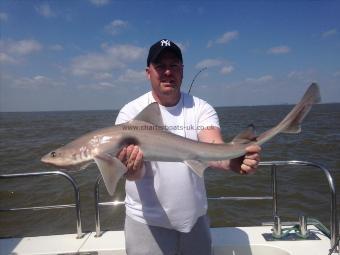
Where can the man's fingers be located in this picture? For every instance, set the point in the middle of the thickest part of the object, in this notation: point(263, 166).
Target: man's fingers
point(127, 153)
point(254, 148)
point(250, 162)
point(129, 150)
point(253, 156)
point(122, 155)
point(135, 159)
point(139, 160)
point(135, 165)
point(132, 157)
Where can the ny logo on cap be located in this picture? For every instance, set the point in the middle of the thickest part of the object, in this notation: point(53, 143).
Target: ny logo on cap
point(165, 43)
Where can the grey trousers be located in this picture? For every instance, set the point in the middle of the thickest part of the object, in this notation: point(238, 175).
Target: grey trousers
point(142, 239)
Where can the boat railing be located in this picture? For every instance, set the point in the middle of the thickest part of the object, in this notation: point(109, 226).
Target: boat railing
point(333, 222)
point(70, 179)
point(334, 231)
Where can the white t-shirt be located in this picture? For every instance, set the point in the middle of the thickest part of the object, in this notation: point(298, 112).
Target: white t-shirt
point(170, 194)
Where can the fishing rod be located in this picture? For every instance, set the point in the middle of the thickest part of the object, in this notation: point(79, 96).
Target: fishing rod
point(193, 80)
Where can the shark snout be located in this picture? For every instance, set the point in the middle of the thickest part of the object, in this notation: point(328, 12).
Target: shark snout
point(46, 158)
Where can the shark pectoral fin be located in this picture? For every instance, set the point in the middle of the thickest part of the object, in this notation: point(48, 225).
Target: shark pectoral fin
point(112, 169)
point(197, 166)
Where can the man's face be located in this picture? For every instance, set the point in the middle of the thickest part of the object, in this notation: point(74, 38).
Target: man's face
point(166, 75)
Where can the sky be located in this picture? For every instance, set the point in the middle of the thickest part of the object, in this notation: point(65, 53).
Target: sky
point(91, 54)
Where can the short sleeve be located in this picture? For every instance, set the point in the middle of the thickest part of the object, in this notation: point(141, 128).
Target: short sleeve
point(207, 115)
point(131, 109)
point(123, 116)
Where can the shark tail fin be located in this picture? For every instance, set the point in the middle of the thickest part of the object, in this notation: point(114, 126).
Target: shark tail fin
point(292, 122)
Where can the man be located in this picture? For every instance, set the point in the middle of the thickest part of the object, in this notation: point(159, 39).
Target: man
point(166, 202)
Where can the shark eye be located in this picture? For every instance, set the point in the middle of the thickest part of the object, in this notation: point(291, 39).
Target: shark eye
point(53, 154)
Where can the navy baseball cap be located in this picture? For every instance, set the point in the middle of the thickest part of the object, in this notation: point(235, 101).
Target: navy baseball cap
point(164, 44)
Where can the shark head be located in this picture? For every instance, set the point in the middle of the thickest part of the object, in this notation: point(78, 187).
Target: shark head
point(57, 158)
point(64, 159)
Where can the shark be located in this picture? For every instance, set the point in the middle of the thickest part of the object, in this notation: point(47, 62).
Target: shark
point(146, 130)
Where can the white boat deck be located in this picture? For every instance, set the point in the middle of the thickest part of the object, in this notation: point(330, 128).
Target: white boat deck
point(227, 240)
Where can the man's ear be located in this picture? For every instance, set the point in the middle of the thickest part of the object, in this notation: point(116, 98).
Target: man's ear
point(147, 72)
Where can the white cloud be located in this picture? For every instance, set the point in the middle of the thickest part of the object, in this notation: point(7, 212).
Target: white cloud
point(112, 58)
point(13, 51)
point(23, 47)
point(182, 46)
point(227, 70)
point(6, 59)
point(208, 63)
point(116, 26)
point(93, 62)
point(104, 85)
point(296, 75)
point(100, 2)
point(103, 76)
point(303, 75)
point(133, 76)
point(56, 47)
point(262, 79)
point(125, 52)
point(329, 33)
point(279, 50)
point(45, 10)
point(36, 82)
point(3, 16)
point(210, 43)
point(224, 39)
point(227, 37)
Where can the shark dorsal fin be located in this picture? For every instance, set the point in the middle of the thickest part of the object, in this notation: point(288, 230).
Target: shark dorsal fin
point(246, 136)
point(151, 114)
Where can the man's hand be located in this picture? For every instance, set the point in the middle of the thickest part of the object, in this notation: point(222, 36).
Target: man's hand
point(248, 163)
point(243, 165)
point(132, 157)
